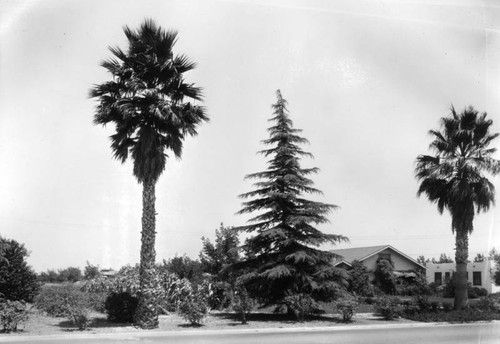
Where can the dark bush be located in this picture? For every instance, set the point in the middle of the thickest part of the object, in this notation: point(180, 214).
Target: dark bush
point(301, 305)
point(447, 306)
point(121, 307)
point(466, 315)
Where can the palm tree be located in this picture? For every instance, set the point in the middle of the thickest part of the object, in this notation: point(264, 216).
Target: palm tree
point(454, 179)
point(146, 100)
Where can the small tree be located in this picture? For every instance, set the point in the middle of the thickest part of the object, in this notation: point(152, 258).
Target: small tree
point(494, 256)
point(384, 276)
point(184, 267)
point(91, 271)
point(18, 281)
point(443, 258)
point(479, 258)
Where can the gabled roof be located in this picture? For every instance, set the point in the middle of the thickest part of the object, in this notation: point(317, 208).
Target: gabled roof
point(361, 253)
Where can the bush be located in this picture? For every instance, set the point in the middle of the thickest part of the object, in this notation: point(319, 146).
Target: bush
point(347, 308)
point(65, 301)
point(18, 281)
point(447, 306)
point(384, 276)
point(476, 292)
point(242, 304)
point(301, 305)
point(121, 307)
point(12, 313)
point(359, 280)
point(465, 315)
point(487, 304)
point(389, 307)
point(194, 310)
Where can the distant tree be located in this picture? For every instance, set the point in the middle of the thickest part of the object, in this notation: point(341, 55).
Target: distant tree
point(18, 281)
point(494, 256)
point(214, 257)
point(91, 271)
point(422, 261)
point(50, 276)
point(283, 261)
point(479, 258)
point(147, 100)
point(454, 178)
point(443, 258)
point(184, 267)
point(71, 274)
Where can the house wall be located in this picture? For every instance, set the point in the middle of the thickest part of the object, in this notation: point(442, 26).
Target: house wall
point(482, 267)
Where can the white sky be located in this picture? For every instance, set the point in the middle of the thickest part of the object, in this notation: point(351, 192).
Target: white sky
point(365, 80)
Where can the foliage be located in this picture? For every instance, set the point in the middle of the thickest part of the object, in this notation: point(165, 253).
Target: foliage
point(70, 274)
point(194, 308)
point(347, 307)
point(443, 258)
point(243, 304)
point(455, 179)
point(173, 291)
point(283, 258)
point(422, 260)
point(221, 295)
point(413, 285)
point(12, 313)
point(384, 276)
point(91, 271)
point(301, 305)
point(359, 280)
point(214, 257)
point(389, 307)
point(494, 256)
point(121, 307)
point(472, 292)
point(185, 267)
point(479, 258)
point(66, 301)
point(18, 281)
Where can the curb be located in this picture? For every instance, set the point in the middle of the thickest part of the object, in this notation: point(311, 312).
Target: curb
point(133, 335)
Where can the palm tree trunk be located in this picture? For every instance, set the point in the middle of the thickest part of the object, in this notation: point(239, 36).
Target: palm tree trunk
point(146, 316)
point(461, 255)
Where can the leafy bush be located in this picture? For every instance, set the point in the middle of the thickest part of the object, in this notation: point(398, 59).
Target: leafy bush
point(121, 307)
point(194, 310)
point(301, 305)
point(476, 292)
point(389, 307)
point(173, 290)
point(359, 280)
point(487, 304)
point(12, 313)
point(384, 276)
point(65, 301)
point(447, 306)
point(347, 308)
point(18, 281)
point(242, 304)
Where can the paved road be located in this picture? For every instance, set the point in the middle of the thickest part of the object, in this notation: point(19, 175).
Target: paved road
point(482, 333)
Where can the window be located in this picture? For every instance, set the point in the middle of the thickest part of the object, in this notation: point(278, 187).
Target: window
point(476, 278)
point(438, 278)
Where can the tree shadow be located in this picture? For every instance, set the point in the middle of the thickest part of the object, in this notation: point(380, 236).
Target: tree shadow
point(282, 318)
point(190, 325)
point(99, 322)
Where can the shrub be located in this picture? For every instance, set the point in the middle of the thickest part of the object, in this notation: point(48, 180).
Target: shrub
point(347, 308)
point(447, 306)
point(476, 292)
point(18, 281)
point(487, 304)
point(173, 290)
point(359, 280)
point(242, 304)
point(389, 307)
point(121, 307)
point(194, 310)
point(301, 305)
point(65, 301)
point(454, 316)
point(384, 276)
point(12, 313)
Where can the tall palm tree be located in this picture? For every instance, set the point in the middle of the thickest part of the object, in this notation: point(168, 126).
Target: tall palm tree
point(153, 109)
point(454, 178)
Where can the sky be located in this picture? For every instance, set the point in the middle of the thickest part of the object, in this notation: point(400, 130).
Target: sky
point(364, 80)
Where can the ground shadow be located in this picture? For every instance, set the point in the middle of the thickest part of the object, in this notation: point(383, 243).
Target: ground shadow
point(235, 319)
point(190, 325)
point(99, 322)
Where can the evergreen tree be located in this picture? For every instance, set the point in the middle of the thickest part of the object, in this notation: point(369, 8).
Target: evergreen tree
point(282, 256)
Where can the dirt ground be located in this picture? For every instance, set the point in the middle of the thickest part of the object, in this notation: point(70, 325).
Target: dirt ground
point(39, 324)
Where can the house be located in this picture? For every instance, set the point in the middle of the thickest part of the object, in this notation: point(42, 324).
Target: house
point(478, 274)
point(403, 265)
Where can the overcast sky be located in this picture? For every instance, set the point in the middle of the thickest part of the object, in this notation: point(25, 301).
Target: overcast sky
point(365, 81)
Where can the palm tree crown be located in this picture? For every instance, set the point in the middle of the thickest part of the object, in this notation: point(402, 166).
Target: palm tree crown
point(454, 178)
point(146, 100)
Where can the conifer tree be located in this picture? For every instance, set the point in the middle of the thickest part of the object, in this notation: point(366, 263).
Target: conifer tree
point(282, 255)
